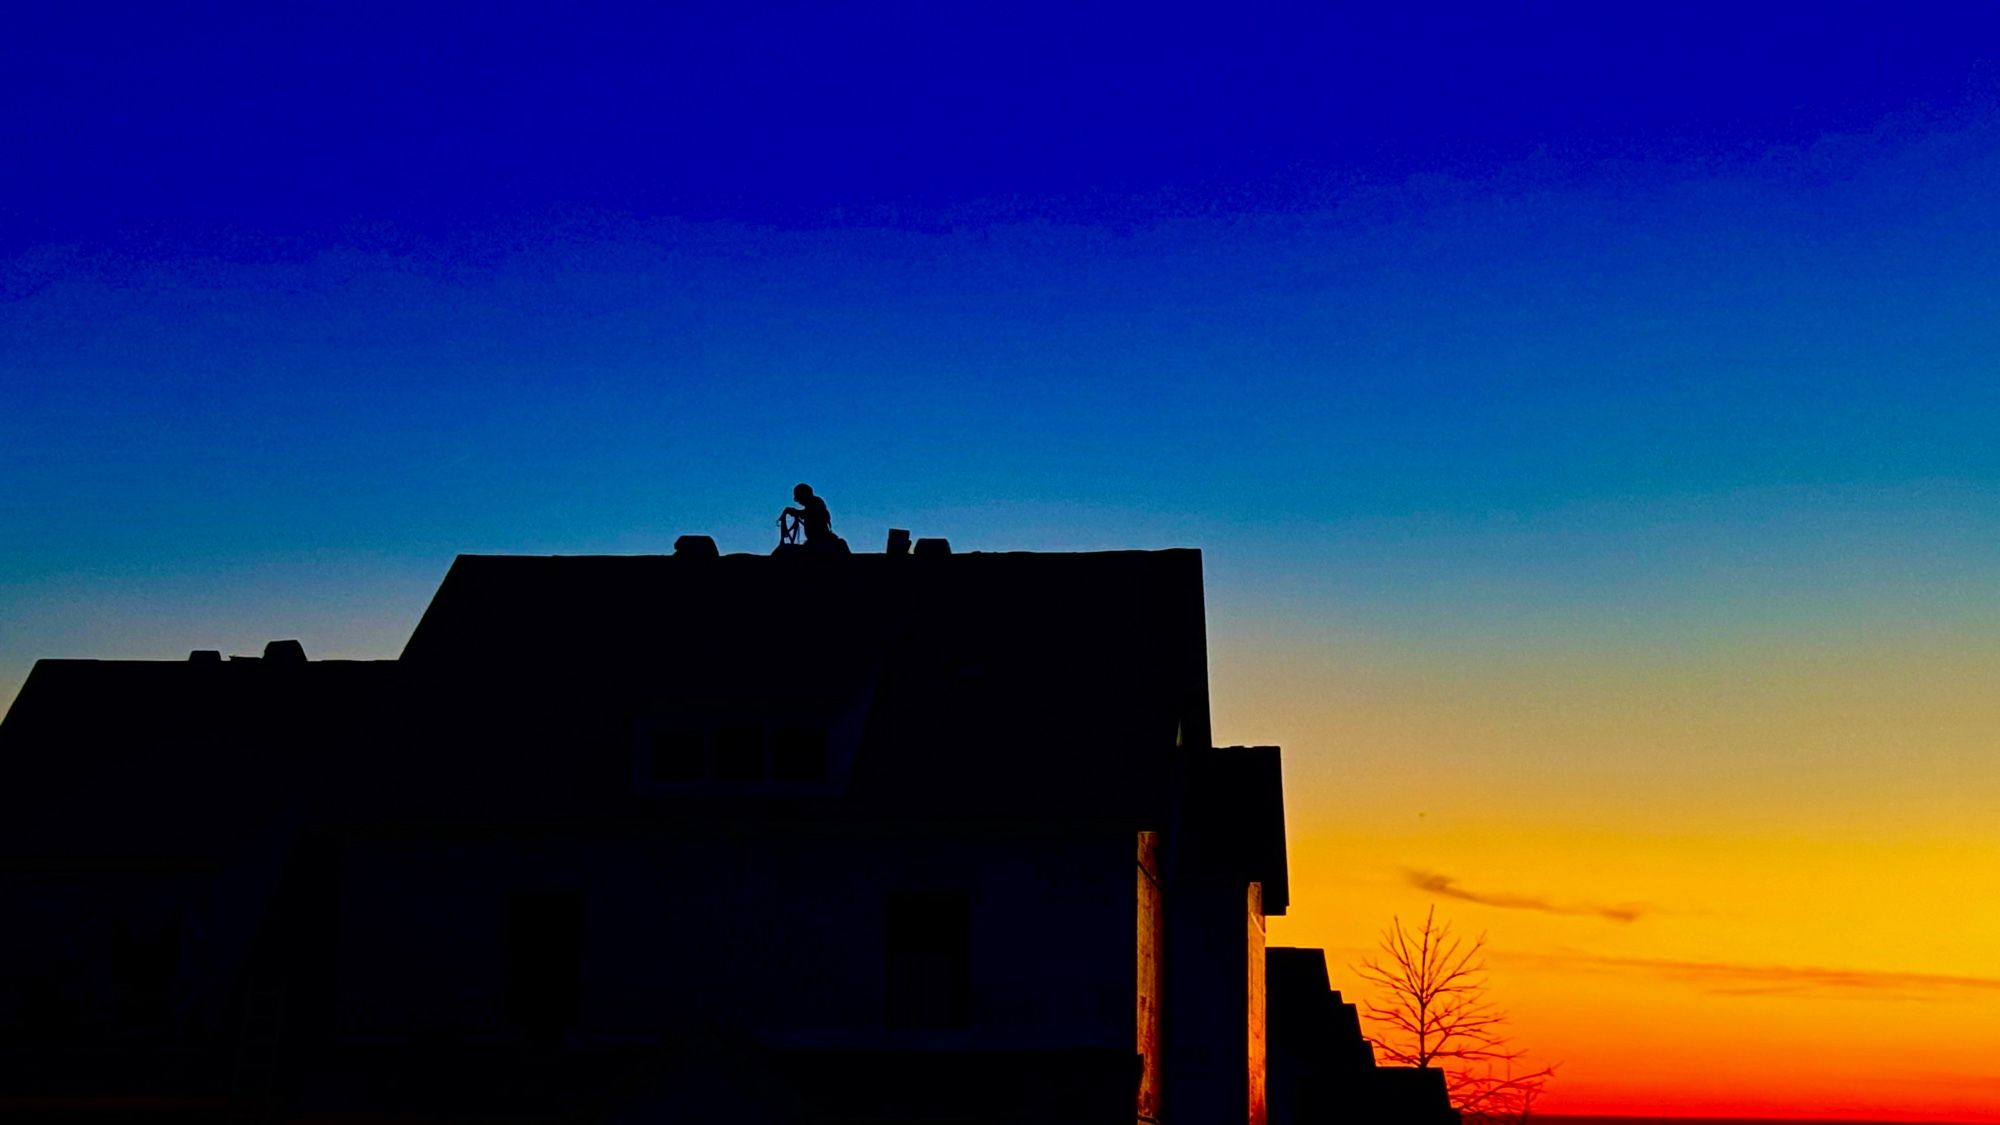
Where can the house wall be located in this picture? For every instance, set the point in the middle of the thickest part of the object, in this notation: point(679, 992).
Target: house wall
point(101, 954)
point(777, 933)
point(1214, 1003)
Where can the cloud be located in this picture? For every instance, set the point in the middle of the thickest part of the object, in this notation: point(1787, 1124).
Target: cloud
point(1438, 883)
point(1726, 978)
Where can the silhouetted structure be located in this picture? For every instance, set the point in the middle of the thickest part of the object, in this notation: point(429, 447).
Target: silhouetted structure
point(1322, 1071)
point(616, 839)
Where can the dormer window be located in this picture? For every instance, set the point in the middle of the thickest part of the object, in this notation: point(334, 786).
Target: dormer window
point(679, 755)
point(739, 754)
point(798, 754)
point(733, 753)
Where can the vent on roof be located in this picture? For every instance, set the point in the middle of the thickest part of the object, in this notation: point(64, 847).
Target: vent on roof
point(696, 547)
point(933, 547)
point(285, 652)
point(205, 656)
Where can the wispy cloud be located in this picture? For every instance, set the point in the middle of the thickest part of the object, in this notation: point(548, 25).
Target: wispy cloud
point(1438, 883)
point(1737, 979)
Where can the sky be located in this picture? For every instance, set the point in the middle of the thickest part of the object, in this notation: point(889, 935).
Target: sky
point(1587, 417)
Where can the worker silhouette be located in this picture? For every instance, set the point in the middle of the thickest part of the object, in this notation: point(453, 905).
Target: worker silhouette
point(814, 520)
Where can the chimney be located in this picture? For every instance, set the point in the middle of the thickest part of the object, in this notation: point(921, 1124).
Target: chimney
point(899, 541)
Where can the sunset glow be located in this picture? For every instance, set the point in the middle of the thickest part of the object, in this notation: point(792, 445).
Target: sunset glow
point(1591, 426)
point(1686, 919)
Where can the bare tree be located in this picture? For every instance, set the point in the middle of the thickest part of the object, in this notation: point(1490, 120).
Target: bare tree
point(1433, 1004)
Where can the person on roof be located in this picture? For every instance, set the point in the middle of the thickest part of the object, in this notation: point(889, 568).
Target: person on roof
point(815, 519)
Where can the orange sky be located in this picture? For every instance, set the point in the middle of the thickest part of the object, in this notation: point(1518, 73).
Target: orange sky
point(1753, 874)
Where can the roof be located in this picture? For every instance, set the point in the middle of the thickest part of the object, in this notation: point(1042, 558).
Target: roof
point(1081, 631)
point(1017, 684)
point(1007, 675)
point(113, 758)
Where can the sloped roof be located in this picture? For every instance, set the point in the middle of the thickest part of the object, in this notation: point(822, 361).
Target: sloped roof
point(1043, 685)
point(976, 670)
point(119, 757)
point(765, 627)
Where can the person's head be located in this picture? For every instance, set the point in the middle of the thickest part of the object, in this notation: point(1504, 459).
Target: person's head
point(802, 492)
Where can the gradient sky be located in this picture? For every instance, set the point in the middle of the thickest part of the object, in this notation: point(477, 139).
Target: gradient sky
point(1592, 422)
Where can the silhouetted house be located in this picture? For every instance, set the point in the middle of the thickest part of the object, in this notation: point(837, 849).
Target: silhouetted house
point(1322, 1071)
point(873, 838)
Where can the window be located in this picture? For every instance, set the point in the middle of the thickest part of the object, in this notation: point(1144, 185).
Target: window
point(145, 959)
point(929, 959)
point(544, 950)
point(798, 754)
point(684, 752)
point(739, 754)
point(678, 755)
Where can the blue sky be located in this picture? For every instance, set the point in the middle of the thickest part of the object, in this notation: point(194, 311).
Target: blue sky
point(297, 306)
